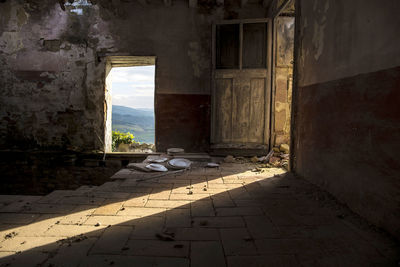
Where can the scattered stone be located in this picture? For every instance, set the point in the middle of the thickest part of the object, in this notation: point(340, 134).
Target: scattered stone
point(254, 159)
point(97, 224)
point(284, 148)
point(10, 235)
point(165, 236)
point(229, 159)
point(204, 189)
point(190, 193)
point(274, 161)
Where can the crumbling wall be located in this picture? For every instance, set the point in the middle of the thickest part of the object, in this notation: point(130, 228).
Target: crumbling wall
point(52, 67)
point(283, 79)
point(346, 115)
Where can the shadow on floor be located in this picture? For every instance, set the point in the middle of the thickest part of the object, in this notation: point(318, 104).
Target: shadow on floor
point(224, 217)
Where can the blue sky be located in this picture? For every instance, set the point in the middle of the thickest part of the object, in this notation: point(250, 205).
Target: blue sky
point(133, 86)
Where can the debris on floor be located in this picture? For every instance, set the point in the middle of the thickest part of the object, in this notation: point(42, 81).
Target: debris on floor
point(229, 159)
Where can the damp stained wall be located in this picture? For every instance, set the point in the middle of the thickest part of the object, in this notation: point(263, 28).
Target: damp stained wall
point(346, 115)
point(284, 44)
point(53, 64)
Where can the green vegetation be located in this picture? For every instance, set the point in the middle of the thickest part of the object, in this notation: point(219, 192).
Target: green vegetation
point(136, 121)
point(121, 138)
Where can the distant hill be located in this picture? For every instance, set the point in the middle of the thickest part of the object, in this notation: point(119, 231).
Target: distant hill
point(139, 122)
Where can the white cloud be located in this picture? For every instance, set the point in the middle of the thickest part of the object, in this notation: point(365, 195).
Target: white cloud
point(133, 86)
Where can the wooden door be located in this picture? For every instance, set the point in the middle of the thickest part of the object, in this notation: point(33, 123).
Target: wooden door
point(241, 86)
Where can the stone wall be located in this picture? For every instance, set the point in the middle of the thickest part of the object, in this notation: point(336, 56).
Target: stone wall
point(53, 62)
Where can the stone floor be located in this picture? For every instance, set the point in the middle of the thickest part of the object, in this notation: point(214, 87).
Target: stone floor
point(205, 217)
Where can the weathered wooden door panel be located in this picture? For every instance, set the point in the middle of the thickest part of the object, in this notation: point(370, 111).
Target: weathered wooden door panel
point(257, 111)
point(241, 94)
point(240, 110)
point(224, 105)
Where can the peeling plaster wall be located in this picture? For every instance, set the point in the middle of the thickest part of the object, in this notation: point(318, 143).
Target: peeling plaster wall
point(346, 118)
point(52, 66)
point(283, 78)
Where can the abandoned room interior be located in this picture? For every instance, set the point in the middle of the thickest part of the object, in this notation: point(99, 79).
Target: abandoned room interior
point(254, 133)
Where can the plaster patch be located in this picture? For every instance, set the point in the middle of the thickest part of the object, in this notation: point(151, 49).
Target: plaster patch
point(319, 30)
point(199, 62)
point(10, 42)
point(22, 17)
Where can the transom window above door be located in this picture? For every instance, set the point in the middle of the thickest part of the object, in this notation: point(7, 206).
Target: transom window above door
point(241, 45)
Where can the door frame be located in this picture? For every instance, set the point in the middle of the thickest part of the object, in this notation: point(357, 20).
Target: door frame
point(123, 61)
point(269, 80)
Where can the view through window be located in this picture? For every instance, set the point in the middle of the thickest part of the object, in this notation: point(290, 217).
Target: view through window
point(133, 108)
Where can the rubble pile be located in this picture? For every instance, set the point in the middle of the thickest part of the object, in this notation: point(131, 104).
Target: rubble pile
point(278, 157)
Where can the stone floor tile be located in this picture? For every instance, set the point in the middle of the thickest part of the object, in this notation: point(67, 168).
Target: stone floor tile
point(18, 218)
point(111, 220)
point(34, 258)
point(25, 243)
point(238, 211)
point(222, 200)
point(194, 234)
point(112, 241)
point(164, 194)
point(36, 228)
point(139, 211)
point(148, 227)
point(202, 208)
point(109, 195)
point(275, 260)
point(78, 216)
point(55, 196)
point(206, 253)
point(261, 227)
point(109, 208)
point(136, 200)
point(191, 197)
point(114, 260)
point(81, 200)
point(218, 222)
point(238, 241)
point(288, 246)
point(247, 203)
point(178, 218)
point(168, 204)
point(71, 252)
point(49, 208)
point(212, 180)
point(157, 248)
point(133, 189)
point(18, 203)
point(276, 222)
point(240, 193)
point(59, 230)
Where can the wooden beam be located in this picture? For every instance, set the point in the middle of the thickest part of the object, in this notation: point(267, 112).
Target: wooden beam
point(168, 2)
point(274, 10)
point(193, 3)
